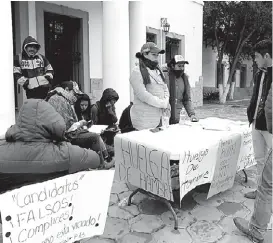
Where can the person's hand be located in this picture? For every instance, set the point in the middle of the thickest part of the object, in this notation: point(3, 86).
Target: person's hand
point(194, 118)
point(26, 83)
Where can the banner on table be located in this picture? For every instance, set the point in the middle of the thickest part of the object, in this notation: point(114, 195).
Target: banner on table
point(246, 157)
point(63, 210)
point(226, 164)
point(144, 167)
point(195, 167)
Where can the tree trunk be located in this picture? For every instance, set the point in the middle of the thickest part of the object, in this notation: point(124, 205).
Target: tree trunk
point(232, 88)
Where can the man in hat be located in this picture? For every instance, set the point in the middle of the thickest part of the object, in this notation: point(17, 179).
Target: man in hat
point(180, 90)
point(32, 70)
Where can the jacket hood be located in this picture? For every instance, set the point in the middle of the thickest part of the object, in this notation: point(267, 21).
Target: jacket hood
point(109, 94)
point(30, 41)
point(37, 121)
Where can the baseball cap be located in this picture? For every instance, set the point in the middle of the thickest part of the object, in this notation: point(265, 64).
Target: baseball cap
point(151, 47)
point(180, 59)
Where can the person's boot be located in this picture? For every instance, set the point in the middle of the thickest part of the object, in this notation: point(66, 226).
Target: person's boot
point(251, 195)
point(253, 234)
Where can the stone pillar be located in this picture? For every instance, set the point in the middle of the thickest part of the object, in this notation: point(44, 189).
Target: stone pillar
point(137, 32)
point(7, 104)
point(115, 49)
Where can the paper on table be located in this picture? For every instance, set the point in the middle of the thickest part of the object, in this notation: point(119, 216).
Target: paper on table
point(97, 128)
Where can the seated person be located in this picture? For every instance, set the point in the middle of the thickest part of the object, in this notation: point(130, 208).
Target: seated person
point(83, 108)
point(63, 99)
point(103, 112)
point(36, 144)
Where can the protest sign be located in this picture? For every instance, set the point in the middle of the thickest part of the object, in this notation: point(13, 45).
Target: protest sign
point(226, 164)
point(195, 167)
point(62, 210)
point(143, 166)
point(246, 156)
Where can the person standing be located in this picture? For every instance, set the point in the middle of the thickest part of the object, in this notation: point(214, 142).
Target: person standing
point(262, 140)
point(180, 90)
point(32, 70)
point(151, 93)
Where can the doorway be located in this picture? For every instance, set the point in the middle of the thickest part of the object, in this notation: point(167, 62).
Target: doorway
point(172, 48)
point(62, 47)
point(243, 76)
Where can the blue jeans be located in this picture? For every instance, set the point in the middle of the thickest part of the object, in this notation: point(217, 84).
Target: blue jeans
point(263, 202)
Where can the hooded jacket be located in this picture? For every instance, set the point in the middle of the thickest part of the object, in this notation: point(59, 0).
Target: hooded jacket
point(100, 115)
point(33, 68)
point(35, 144)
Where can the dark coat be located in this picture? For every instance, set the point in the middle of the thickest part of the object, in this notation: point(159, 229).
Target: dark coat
point(268, 111)
point(260, 119)
point(35, 144)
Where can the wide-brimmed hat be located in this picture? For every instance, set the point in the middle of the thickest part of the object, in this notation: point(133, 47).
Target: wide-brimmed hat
point(76, 88)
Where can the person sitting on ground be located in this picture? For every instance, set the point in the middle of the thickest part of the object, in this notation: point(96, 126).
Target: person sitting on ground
point(36, 144)
point(83, 108)
point(103, 112)
point(180, 90)
point(63, 99)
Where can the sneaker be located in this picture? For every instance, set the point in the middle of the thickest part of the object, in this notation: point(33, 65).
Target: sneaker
point(251, 195)
point(253, 234)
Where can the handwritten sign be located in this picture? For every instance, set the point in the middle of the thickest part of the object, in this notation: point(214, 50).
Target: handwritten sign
point(246, 156)
point(226, 164)
point(144, 167)
point(195, 168)
point(62, 210)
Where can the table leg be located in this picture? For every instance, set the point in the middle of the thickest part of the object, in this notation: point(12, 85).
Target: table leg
point(165, 201)
point(245, 176)
point(132, 194)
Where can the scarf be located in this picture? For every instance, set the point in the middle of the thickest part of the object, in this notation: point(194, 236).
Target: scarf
point(143, 64)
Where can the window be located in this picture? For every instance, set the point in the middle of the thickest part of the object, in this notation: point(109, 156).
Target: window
point(172, 48)
point(151, 38)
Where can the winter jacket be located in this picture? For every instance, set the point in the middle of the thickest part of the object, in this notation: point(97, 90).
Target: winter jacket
point(35, 144)
point(260, 123)
point(180, 95)
point(32, 69)
point(268, 111)
point(149, 101)
point(100, 115)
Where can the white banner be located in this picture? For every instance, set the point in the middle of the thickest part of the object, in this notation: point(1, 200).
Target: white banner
point(63, 210)
point(144, 167)
point(225, 165)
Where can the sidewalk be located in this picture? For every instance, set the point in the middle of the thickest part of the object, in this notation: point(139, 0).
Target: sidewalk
point(200, 220)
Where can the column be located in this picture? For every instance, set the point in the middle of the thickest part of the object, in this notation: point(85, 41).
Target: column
point(137, 32)
point(7, 105)
point(115, 49)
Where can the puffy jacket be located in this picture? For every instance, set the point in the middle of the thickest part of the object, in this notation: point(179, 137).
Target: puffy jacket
point(268, 111)
point(36, 144)
point(32, 69)
point(260, 119)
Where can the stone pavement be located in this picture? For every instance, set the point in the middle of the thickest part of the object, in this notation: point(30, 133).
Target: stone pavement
point(200, 220)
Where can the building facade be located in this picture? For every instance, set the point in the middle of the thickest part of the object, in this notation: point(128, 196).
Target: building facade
point(94, 42)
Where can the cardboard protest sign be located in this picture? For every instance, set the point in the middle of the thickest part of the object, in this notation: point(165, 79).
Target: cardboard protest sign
point(62, 210)
point(226, 164)
point(143, 166)
point(195, 167)
point(246, 157)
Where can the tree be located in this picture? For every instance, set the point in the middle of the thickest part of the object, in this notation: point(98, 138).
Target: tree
point(233, 27)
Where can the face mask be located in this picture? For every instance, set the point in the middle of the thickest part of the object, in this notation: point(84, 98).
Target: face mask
point(150, 64)
point(178, 73)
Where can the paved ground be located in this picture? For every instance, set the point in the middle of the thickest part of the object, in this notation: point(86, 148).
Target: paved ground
point(200, 220)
